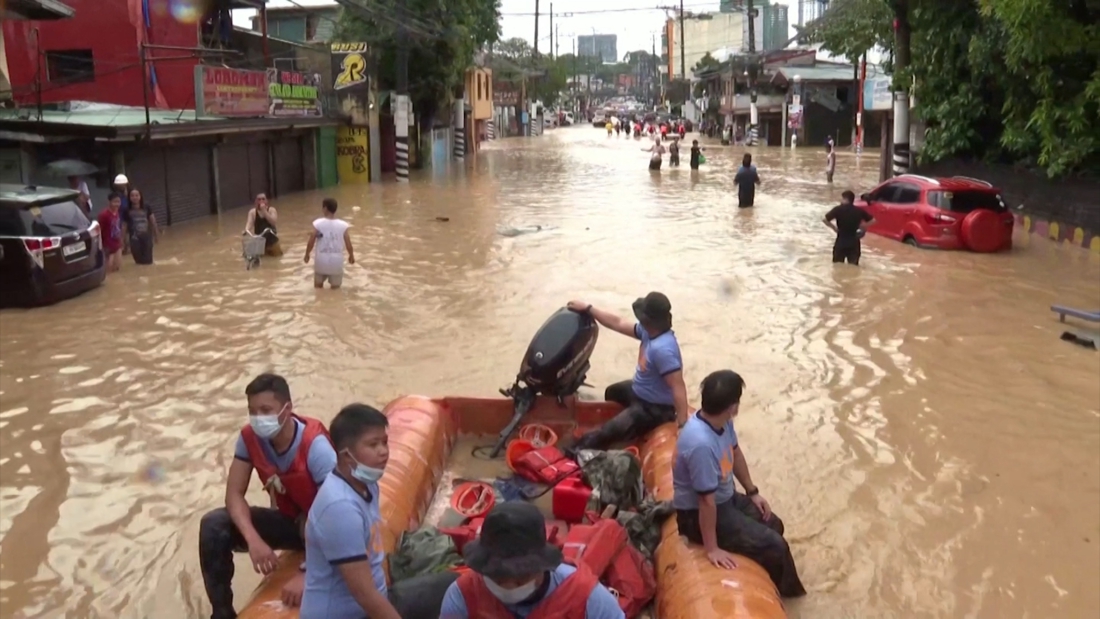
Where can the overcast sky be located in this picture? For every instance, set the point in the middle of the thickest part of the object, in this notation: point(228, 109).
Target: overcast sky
point(635, 22)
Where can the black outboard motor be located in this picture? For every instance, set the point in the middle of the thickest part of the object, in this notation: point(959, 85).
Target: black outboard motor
point(556, 364)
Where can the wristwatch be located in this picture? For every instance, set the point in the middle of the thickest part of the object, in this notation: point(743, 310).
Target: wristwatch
point(752, 491)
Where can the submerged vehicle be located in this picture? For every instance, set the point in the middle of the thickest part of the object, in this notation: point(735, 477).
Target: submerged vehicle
point(430, 441)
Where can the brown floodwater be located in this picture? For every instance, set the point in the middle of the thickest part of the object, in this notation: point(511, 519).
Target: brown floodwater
point(931, 444)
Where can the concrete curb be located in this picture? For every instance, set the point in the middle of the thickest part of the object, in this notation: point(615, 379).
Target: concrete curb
point(1058, 232)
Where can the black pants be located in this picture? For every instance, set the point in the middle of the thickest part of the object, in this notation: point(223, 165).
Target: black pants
point(742, 529)
point(637, 418)
point(849, 253)
point(674, 160)
point(219, 539)
point(654, 164)
point(142, 249)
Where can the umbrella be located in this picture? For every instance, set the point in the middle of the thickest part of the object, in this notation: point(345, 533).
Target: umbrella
point(71, 167)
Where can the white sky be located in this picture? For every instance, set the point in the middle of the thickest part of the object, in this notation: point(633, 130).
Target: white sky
point(635, 22)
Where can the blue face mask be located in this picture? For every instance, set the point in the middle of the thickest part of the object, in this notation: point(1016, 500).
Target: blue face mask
point(364, 473)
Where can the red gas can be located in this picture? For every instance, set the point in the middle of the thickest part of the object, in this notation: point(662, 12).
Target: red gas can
point(570, 499)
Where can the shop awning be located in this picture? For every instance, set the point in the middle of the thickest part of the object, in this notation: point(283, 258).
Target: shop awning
point(36, 10)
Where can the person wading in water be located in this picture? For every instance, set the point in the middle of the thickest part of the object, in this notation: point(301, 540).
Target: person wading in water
point(262, 220)
point(849, 222)
point(141, 229)
point(746, 180)
point(655, 153)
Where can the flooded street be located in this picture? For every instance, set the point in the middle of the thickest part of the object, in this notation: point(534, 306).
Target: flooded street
point(932, 446)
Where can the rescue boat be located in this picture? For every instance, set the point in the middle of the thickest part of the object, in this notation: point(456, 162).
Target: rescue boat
point(424, 432)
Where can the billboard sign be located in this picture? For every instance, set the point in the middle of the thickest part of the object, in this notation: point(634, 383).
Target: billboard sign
point(220, 91)
point(293, 94)
point(349, 66)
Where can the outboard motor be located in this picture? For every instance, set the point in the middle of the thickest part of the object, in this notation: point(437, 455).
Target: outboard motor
point(556, 364)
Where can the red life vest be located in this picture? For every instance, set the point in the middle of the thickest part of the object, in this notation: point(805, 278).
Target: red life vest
point(605, 549)
point(568, 601)
point(295, 489)
point(546, 465)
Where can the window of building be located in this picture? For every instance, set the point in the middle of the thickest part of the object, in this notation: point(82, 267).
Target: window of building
point(480, 93)
point(70, 65)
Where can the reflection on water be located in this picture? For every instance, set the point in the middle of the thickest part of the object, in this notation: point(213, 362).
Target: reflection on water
point(933, 446)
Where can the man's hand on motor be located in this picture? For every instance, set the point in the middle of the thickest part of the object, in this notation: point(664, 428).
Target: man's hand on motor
point(578, 306)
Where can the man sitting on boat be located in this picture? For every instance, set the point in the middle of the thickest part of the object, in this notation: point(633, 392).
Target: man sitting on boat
point(292, 455)
point(515, 572)
point(345, 577)
point(657, 394)
point(709, 510)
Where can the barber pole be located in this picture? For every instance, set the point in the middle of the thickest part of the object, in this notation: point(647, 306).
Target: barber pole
point(491, 129)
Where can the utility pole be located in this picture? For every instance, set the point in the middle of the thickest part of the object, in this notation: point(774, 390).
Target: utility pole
point(754, 113)
point(553, 31)
point(902, 34)
point(683, 56)
point(401, 114)
point(653, 68)
point(859, 104)
point(536, 54)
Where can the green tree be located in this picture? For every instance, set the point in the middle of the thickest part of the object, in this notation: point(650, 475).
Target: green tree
point(442, 37)
point(705, 63)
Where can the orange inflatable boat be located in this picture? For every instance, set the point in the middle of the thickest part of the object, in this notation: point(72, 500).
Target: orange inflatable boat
point(423, 434)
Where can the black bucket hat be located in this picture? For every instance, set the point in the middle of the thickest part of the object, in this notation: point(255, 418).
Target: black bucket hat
point(512, 543)
point(654, 309)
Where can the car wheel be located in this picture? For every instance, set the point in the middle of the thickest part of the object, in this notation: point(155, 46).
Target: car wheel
point(909, 240)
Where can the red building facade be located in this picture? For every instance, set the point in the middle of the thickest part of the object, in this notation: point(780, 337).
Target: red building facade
point(96, 55)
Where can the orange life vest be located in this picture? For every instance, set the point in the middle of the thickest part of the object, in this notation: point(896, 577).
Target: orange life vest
point(546, 465)
point(294, 489)
point(605, 549)
point(568, 601)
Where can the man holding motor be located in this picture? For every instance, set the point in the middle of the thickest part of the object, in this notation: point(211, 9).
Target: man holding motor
point(657, 393)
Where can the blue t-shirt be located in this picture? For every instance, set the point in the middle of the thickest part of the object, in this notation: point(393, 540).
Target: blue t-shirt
point(601, 604)
point(343, 527)
point(320, 460)
point(704, 463)
point(657, 358)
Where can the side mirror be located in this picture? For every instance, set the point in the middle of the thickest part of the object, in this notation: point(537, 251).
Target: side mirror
point(865, 197)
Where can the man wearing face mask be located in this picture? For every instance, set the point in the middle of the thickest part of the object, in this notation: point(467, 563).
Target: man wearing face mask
point(292, 456)
point(345, 578)
point(516, 573)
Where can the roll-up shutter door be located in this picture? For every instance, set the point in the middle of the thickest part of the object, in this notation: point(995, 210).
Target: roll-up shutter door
point(233, 186)
point(289, 167)
point(258, 168)
point(146, 172)
point(189, 183)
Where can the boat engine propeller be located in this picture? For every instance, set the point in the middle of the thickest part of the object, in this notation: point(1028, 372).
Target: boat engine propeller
point(556, 364)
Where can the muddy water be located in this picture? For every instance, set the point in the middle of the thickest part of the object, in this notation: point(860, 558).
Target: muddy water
point(933, 447)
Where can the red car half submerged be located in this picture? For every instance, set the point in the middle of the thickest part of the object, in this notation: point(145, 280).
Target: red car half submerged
point(940, 213)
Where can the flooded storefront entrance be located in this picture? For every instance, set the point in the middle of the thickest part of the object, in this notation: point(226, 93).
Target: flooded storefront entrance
point(932, 445)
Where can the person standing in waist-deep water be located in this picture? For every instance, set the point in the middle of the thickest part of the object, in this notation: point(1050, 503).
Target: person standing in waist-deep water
point(696, 152)
point(121, 186)
point(850, 223)
point(141, 229)
point(830, 161)
point(746, 180)
point(674, 153)
point(262, 219)
point(709, 510)
point(657, 394)
point(330, 236)
point(656, 151)
point(110, 229)
point(292, 456)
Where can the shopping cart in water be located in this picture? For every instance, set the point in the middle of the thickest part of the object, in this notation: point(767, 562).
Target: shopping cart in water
point(252, 248)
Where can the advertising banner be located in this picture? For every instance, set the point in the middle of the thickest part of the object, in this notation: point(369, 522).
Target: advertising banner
point(876, 95)
point(349, 66)
point(230, 92)
point(352, 155)
point(294, 94)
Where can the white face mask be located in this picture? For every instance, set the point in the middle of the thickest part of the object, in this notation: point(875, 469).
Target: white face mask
point(511, 596)
point(364, 473)
point(267, 426)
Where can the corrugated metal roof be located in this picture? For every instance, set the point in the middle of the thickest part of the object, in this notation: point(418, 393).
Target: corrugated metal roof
point(98, 117)
point(838, 73)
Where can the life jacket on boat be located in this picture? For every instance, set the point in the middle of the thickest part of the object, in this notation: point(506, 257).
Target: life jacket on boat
point(294, 489)
point(546, 465)
point(604, 548)
point(568, 601)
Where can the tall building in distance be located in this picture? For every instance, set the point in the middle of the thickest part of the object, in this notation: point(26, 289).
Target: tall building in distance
point(602, 46)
